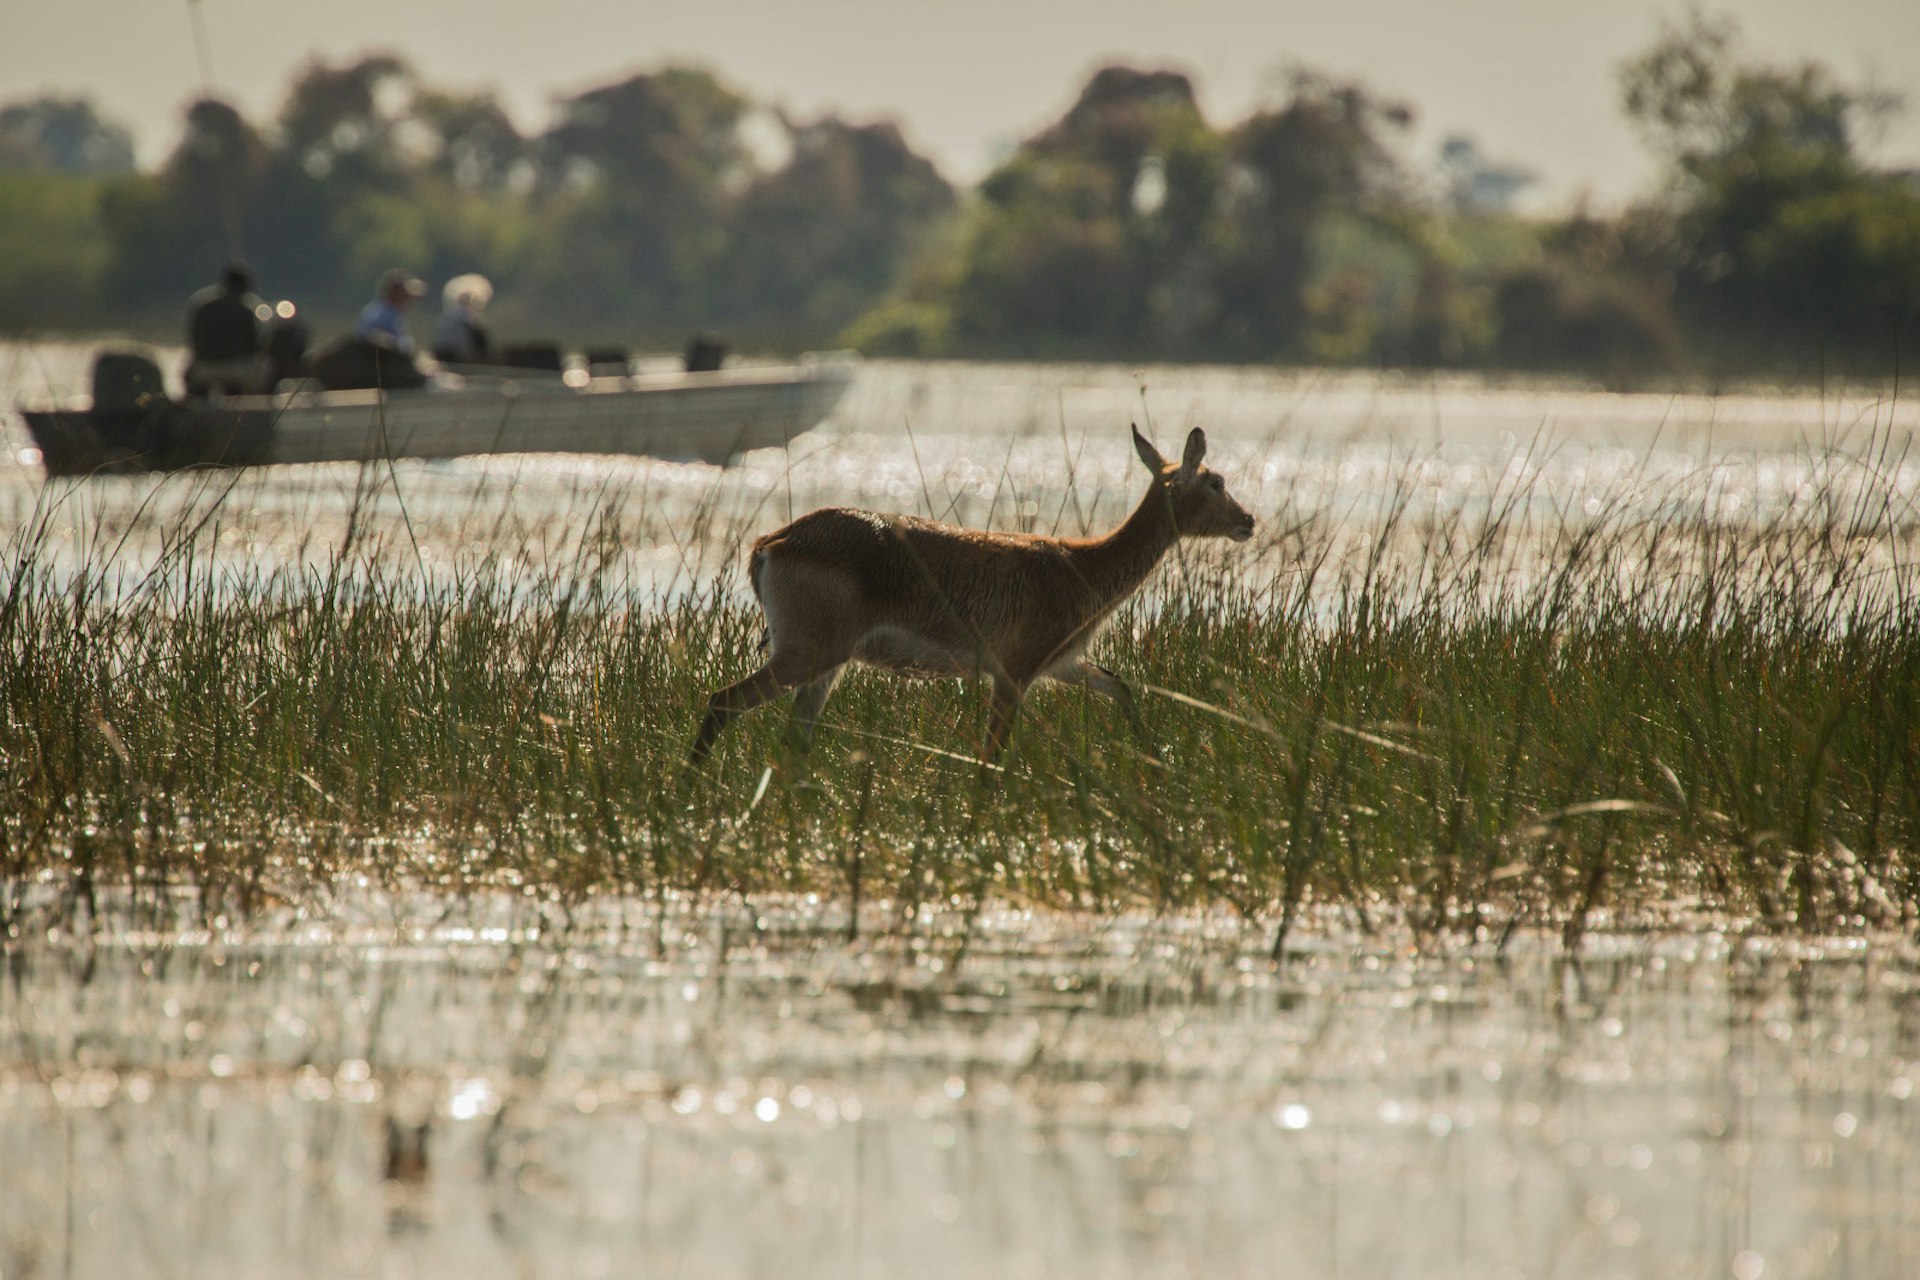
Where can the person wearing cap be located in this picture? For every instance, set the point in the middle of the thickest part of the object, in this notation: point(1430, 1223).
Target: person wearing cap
point(461, 336)
point(227, 337)
point(383, 321)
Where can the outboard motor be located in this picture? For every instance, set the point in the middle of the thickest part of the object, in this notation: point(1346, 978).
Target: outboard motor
point(126, 384)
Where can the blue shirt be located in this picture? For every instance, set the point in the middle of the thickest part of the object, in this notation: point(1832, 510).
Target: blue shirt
point(381, 321)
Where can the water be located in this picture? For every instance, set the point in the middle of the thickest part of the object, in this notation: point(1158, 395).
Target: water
point(1041, 447)
point(716, 1092)
point(370, 1084)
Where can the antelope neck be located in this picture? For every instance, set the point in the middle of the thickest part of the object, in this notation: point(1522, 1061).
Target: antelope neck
point(1114, 564)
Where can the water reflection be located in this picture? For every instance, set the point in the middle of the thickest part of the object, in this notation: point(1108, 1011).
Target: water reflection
point(1041, 447)
point(493, 1088)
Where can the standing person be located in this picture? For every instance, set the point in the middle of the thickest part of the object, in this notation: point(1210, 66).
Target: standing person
point(383, 322)
point(227, 337)
point(461, 338)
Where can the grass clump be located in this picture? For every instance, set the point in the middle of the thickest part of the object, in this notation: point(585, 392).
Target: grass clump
point(1465, 714)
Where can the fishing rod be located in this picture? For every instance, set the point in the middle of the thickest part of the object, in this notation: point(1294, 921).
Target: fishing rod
point(202, 50)
point(231, 221)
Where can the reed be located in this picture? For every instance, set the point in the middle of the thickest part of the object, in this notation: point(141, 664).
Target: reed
point(1465, 715)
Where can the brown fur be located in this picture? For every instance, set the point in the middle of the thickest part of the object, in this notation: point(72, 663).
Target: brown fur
point(926, 599)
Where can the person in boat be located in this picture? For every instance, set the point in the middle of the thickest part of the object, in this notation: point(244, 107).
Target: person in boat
point(379, 351)
point(227, 337)
point(461, 336)
point(383, 322)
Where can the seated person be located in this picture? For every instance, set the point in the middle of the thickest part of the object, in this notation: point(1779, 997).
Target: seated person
point(460, 337)
point(227, 337)
point(383, 321)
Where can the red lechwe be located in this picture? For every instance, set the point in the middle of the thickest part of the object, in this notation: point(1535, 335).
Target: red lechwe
point(926, 599)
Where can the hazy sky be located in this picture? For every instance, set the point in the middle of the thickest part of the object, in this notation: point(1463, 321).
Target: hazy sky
point(1533, 81)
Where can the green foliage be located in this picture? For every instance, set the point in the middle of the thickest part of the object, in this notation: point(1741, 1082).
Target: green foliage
point(815, 242)
point(52, 250)
point(1041, 278)
point(167, 234)
point(1557, 317)
point(902, 328)
point(470, 141)
point(342, 123)
point(1134, 228)
point(1847, 263)
point(671, 136)
point(1361, 276)
point(62, 135)
point(1788, 244)
point(640, 215)
point(1705, 109)
point(1319, 153)
point(1093, 239)
point(1130, 228)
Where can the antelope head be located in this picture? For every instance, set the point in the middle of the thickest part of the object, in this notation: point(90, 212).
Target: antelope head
point(1196, 497)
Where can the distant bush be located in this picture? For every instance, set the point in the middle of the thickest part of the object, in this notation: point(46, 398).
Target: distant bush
point(902, 329)
point(656, 205)
point(1553, 317)
point(1789, 247)
point(1846, 264)
point(52, 251)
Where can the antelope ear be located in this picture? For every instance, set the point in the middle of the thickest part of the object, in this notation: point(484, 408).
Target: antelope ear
point(1196, 450)
point(1149, 455)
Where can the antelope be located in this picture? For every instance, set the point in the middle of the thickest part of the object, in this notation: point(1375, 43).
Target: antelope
point(930, 600)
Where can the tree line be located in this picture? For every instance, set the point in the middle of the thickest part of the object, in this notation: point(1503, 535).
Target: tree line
point(1131, 228)
point(664, 202)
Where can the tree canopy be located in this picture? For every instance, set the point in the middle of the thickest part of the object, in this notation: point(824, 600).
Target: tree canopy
point(1783, 234)
point(62, 135)
point(642, 213)
point(1132, 227)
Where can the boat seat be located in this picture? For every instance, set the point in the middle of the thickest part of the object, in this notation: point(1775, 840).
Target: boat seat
point(354, 364)
point(705, 353)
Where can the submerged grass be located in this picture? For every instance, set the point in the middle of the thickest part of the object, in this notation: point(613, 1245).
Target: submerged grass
point(1465, 715)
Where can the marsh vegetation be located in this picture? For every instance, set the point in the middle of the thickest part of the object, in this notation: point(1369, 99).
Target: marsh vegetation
point(1561, 746)
point(1485, 691)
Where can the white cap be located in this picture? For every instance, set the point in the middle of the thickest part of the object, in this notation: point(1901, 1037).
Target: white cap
point(472, 291)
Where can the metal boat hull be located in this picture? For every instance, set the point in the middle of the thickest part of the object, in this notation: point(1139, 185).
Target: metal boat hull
point(697, 416)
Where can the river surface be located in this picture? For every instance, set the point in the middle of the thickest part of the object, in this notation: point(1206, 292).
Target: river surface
point(493, 1088)
point(1038, 447)
point(365, 1085)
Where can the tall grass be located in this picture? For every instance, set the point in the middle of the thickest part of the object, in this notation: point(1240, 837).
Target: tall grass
point(1460, 714)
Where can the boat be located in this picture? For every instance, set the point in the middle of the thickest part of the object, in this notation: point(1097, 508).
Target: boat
point(709, 416)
